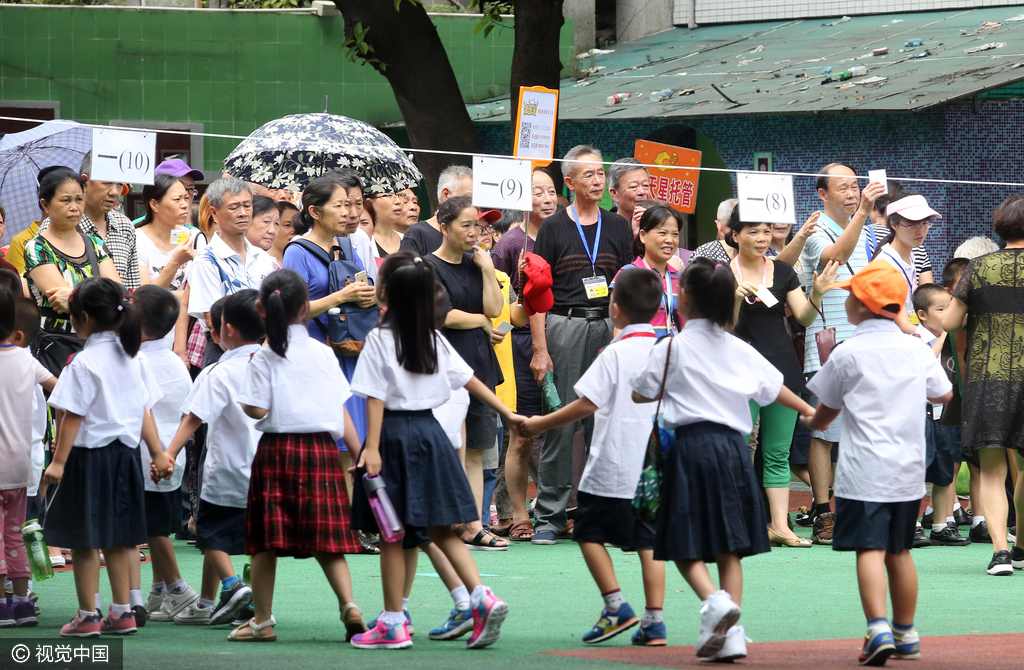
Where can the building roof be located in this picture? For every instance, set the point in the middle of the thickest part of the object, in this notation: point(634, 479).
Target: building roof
point(776, 67)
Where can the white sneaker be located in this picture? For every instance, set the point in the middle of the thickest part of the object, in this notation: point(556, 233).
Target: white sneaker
point(58, 561)
point(174, 603)
point(153, 603)
point(194, 615)
point(735, 647)
point(717, 615)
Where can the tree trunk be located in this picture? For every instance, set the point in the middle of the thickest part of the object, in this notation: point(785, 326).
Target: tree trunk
point(535, 58)
point(421, 77)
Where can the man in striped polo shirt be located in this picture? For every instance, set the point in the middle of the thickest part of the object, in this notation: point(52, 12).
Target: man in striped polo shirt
point(841, 237)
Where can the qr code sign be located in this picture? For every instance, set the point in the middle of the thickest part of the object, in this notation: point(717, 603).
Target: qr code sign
point(525, 131)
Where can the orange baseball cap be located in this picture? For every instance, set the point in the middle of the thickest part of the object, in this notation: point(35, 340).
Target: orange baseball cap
point(880, 287)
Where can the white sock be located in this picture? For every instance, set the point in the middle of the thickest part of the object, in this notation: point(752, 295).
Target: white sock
point(405, 603)
point(956, 506)
point(938, 527)
point(950, 520)
point(99, 603)
point(613, 600)
point(30, 582)
point(21, 599)
point(460, 595)
point(651, 615)
point(392, 618)
point(83, 614)
point(178, 587)
point(135, 597)
point(978, 518)
point(928, 510)
point(477, 596)
point(117, 610)
point(158, 588)
point(204, 603)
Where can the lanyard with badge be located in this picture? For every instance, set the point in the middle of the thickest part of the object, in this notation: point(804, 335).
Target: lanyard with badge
point(763, 294)
point(667, 299)
point(594, 286)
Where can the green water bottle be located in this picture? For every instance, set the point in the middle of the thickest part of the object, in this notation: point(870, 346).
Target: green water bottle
point(38, 552)
point(551, 399)
point(245, 570)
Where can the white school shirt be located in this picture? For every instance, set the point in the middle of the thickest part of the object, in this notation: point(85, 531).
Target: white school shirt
point(175, 384)
point(929, 339)
point(38, 433)
point(304, 392)
point(20, 373)
point(881, 379)
point(893, 258)
point(109, 390)
point(712, 377)
point(218, 271)
point(379, 374)
point(621, 426)
point(452, 414)
point(232, 436)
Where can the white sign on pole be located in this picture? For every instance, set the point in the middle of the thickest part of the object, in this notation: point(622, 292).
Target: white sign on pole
point(535, 136)
point(879, 176)
point(765, 197)
point(125, 156)
point(502, 182)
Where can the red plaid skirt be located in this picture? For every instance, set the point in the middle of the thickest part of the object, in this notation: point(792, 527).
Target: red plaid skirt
point(297, 499)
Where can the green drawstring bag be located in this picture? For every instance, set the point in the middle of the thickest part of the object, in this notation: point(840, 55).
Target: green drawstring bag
point(647, 498)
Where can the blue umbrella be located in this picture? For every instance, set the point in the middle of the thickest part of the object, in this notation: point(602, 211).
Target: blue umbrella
point(290, 152)
point(23, 155)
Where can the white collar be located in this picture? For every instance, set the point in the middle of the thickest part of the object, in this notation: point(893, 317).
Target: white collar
point(702, 324)
point(297, 330)
point(105, 336)
point(877, 326)
point(635, 328)
point(221, 249)
point(155, 345)
point(237, 352)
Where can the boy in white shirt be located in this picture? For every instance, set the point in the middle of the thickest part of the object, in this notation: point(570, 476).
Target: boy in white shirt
point(169, 593)
point(604, 513)
point(231, 442)
point(22, 375)
point(880, 380)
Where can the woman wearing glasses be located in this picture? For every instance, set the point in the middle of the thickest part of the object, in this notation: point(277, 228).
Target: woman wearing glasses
point(765, 288)
point(909, 218)
point(385, 209)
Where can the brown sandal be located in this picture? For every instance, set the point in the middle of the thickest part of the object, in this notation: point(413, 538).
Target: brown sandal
point(521, 531)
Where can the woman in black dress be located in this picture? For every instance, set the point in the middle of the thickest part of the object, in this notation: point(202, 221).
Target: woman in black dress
point(765, 289)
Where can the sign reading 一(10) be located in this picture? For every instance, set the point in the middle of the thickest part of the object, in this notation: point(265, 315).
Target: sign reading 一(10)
point(125, 156)
point(765, 197)
point(503, 183)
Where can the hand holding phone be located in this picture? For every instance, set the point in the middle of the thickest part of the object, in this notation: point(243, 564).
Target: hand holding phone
point(504, 328)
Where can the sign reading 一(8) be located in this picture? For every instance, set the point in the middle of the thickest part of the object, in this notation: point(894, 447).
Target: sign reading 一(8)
point(503, 183)
point(765, 197)
point(125, 156)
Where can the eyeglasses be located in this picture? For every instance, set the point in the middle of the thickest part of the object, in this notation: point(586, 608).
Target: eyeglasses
point(192, 192)
point(486, 229)
point(917, 225)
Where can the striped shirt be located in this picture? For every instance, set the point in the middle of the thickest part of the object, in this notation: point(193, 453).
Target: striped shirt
point(119, 242)
point(833, 304)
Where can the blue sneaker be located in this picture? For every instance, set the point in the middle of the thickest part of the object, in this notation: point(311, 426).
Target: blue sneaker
point(651, 635)
point(611, 624)
point(408, 623)
point(458, 624)
point(879, 645)
point(908, 646)
point(544, 537)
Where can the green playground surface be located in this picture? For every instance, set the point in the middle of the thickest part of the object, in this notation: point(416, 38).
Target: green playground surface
point(789, 595)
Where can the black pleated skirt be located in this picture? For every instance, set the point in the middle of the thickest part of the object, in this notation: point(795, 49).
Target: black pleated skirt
point(100, 502)
point(711, 503)
point(422, 474)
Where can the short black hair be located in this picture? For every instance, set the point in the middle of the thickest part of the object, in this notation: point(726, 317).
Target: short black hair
point(240, 312)
point(821, 181)
point(1008, 220)
point(6, 313)
point(11, 280)
point(638, 294)
point(508, 217)
point(924, 295)
point(216, 312)
point(26, 317)
point(737, 226)
point(952, 271)
point(159, 310)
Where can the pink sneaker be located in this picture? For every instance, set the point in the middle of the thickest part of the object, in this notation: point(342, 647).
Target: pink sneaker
point(122, 625)
point(79, 627)
point(383, 636)
point(487, 618)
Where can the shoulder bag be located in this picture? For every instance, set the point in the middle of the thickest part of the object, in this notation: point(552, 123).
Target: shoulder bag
point(647, 498)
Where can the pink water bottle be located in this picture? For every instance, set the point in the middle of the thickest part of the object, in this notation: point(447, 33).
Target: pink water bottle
point(390, 525)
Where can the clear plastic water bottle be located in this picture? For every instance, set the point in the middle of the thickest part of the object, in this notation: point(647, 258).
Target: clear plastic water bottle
point(38, 552)
point(658, 96)
point(858, 70)
point(391, 529)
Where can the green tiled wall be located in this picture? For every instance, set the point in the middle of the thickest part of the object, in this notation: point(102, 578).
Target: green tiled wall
point(230, 71)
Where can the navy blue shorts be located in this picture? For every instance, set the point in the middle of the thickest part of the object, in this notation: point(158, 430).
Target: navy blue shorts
point(944, 441)
point(875, 525)
point(220, 528)
point(603, 520)
point(163, 513)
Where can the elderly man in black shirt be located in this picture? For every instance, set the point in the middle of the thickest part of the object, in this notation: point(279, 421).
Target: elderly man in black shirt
point(585, 246)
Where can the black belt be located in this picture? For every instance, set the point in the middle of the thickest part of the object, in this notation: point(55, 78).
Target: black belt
point(589, 313)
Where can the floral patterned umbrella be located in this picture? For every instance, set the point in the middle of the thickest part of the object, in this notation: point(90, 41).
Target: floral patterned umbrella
point(290, 152)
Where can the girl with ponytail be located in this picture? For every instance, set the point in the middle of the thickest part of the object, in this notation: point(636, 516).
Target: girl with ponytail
point(298, 504)
point(97, 493)
point(711, 506)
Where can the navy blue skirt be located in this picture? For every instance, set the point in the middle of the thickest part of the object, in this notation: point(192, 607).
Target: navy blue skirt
point(100, 502)
point(711, 502)
point(422, 474)
point(220, 528)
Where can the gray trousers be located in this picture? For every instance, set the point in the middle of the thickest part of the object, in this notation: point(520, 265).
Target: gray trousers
point(573, 344)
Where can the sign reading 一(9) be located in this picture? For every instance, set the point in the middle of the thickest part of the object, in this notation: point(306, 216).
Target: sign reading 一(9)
point(503, 183)
point(765, 197)
point(125, 156)
point(535, 128)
